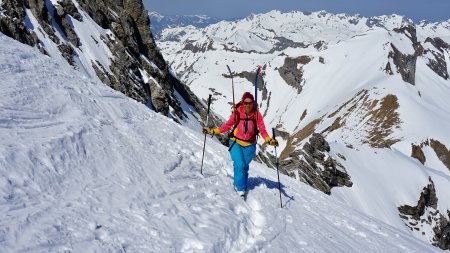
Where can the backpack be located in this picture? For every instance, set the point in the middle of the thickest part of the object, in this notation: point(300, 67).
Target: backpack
point(238, 119)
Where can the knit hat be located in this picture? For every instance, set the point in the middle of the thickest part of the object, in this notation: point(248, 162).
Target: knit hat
point(248, 95)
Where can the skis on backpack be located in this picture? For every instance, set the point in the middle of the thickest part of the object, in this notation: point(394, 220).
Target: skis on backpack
point(232, 87)
point(255, 105)
point(258, 71)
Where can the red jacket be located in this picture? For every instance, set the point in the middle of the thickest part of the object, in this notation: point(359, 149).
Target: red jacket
point(244, 137)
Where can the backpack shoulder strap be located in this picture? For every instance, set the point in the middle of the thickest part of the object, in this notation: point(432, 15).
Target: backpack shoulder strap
point(255, 124)
point(237, 118)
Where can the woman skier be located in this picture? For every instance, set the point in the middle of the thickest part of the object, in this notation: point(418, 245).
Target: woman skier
point(247, 122)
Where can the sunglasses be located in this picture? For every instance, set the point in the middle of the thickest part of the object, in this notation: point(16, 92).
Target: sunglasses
point(247, 103)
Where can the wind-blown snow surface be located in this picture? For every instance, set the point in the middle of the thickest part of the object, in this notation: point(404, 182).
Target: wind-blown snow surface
point(85, 169)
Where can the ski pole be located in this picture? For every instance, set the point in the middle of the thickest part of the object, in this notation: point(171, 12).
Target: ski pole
point(278, 172)
point(206, 125)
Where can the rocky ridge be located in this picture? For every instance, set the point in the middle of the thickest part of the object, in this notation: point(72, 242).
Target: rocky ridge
point(314, 165)
point(136, 66)
point(425, 214)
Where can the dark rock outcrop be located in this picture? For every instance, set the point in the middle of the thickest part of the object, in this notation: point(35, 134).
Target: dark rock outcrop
point(409, 31)
point(438, 43)
point(426, 213)
point(418, 153)
point(70, 9)
point(67, 52)
point(388, 69)
point(195, 47)
point(427, 199)
point(12, 23)
point(43, 16)
point(436, 61)
point(441, 151)
point(405, 63)
point(314, 166)
point(438, 64)
point(60, 18)
point(283, 43)
point(320, 45)
point(291, 73)
point(442, 233)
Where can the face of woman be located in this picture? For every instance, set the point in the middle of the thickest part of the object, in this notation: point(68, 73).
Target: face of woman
point(248, 105)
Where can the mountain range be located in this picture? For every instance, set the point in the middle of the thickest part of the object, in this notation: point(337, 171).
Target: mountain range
point(159, 22)
point(101, 138)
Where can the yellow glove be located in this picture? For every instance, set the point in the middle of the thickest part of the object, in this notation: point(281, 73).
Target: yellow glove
point(207, 130)
point(273, 142)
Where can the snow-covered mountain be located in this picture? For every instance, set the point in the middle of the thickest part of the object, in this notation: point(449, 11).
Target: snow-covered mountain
point(159, 22)
point(86, 169)
point(374, 89)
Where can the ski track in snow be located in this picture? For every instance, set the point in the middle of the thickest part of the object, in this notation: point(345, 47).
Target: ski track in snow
point(85, 169)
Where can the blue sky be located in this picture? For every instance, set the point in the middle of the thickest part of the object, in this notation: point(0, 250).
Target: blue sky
point(432, 10)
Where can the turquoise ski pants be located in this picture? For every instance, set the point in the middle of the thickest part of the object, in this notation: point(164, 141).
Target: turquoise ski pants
point(241, 156)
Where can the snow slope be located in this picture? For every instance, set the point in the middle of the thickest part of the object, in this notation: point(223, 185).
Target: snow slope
point(352, 60)
point(85, 169)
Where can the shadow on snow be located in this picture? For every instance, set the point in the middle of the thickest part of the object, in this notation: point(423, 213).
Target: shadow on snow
point(254, 182)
